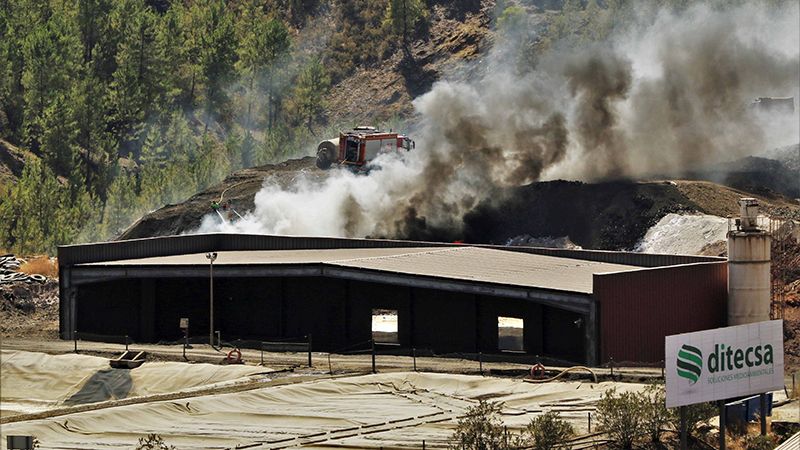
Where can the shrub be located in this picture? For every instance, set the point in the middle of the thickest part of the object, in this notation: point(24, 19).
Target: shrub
point(153, 442)
point(548, 430)
point(695, 415)
point(621, 417)
point(41, 265)
point(759, 442)
point(655, 415)
point(480, 429)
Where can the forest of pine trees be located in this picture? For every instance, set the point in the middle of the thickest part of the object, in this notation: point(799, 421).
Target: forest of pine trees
point(128, 105)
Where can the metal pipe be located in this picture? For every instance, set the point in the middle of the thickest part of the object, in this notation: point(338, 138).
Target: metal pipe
point(211, 257)
point(372, 342)
point(309, 350)
point(763, 399)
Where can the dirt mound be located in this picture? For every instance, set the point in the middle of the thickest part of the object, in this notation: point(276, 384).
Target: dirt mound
point(609, 216)
point(239, 189)
point(758, 175)
point(723, 201)
point(789, 156)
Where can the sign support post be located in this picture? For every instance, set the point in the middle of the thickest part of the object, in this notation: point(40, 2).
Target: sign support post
point(684, 431)
point(763, 418)
point(722, 424)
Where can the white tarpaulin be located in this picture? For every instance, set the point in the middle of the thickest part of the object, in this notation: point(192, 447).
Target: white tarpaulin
point(33, 382)
point(724, 363)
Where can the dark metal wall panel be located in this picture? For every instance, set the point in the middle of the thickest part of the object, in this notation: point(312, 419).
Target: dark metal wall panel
point(200, 243)
point(639, 308)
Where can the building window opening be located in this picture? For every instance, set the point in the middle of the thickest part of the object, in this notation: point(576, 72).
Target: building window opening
point(384, 326)
point(510, 331)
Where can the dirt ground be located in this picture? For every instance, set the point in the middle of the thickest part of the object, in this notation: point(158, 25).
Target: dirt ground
point(29, 310)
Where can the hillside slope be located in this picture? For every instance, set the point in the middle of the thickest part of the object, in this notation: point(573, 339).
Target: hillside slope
point(12, 162)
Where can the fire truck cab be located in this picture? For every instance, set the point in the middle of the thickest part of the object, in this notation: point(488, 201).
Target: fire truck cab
point(357, 147)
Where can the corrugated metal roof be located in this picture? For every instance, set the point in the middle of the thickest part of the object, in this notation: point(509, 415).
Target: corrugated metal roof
point(196, 243)
point(793, 443)
point(458, 263)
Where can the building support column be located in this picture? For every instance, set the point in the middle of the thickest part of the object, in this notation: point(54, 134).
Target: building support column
point(592, 336)
point(147, 311)
point(411, 319)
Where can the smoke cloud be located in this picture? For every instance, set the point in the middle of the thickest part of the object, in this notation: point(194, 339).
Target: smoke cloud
point(669, 95)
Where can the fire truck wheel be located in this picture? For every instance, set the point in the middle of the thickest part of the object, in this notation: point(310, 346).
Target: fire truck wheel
point(323, 159)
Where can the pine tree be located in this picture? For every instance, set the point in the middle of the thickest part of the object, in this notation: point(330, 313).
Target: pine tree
point(37, 215)
point(403, 15)
point(59, 133)
point(216, 40)
point(133, 88)
point(50, 50)
point(308, 98)
point(121, 205)
point(98, 147)
point(11, 63)
point(264, 43)
point(172, 67)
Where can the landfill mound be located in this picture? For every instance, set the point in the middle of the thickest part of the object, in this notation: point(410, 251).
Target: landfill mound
point(239, 189)
point(609, 215)
point(776, 171)
point(684, 234)
point(34, 382)
point(789, 156)
point(372, 411)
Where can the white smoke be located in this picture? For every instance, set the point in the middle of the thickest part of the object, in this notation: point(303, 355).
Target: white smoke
point(667, 96)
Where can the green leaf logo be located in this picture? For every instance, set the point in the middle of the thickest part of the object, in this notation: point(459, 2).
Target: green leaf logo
point(690, 363)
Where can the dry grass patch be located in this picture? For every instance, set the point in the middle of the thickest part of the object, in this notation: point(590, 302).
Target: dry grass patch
point(41, 265)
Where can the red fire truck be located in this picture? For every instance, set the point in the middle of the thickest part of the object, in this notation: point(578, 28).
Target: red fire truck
point(357, 147)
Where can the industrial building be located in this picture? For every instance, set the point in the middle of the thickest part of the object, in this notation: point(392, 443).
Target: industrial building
point(575, 305)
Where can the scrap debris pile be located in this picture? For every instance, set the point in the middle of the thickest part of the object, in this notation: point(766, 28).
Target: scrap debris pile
point(9, 272)
point(28, 302)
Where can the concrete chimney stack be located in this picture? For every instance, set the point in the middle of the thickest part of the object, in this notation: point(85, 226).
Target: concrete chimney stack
point(748, 268)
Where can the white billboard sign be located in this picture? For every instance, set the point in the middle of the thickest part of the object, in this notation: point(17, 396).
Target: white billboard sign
point(724, 363)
